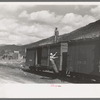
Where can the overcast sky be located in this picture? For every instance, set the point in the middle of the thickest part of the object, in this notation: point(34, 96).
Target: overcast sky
point(23, 24)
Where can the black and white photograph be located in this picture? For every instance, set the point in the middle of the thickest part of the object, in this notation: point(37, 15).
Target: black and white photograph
point(49, 43)
point(49, 50)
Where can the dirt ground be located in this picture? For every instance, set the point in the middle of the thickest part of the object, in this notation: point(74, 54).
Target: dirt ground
point(12, 72)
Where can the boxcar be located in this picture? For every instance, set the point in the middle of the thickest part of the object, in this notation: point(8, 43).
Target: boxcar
point(39, 57)
point(84, 57)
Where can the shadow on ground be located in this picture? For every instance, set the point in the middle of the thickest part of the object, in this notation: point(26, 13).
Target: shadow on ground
point(66, 78)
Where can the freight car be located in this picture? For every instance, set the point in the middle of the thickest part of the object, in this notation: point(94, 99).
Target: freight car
point(38, 58)
point(84, 57)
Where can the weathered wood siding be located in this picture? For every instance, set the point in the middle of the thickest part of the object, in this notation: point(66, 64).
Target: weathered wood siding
point(44, 58)
point(30, 57)
point(81, 58)
point(97, 59)
point(63, 48)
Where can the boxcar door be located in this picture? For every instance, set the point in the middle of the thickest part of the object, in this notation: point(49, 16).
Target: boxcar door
point(64, 62)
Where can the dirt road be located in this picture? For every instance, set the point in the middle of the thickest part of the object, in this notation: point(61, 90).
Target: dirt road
point(11, 74)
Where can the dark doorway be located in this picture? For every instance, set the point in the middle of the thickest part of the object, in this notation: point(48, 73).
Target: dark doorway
point(39, 55)
point(64, 62)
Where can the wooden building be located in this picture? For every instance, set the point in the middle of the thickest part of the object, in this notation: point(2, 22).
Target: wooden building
point(78, 51)
point(84, 55)
point(40, 56)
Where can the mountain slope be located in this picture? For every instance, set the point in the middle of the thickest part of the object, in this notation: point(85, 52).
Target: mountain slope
point(91, 30)
point(11, 48)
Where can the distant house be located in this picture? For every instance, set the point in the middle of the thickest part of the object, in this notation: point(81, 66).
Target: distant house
point(16, 55)
point(11, 55)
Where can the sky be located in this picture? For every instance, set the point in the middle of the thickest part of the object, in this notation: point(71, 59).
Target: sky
point(24, 24)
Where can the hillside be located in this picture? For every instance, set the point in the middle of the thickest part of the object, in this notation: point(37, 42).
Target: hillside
point(10, 48)
point(91, 30)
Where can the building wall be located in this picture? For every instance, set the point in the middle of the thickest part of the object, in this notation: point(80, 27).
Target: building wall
point(33, 56)
point(81, 58)
point(45, 56)
point(30, 57)
point(63, 48)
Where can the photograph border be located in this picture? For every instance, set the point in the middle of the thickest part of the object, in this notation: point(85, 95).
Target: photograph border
point(94, 89)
